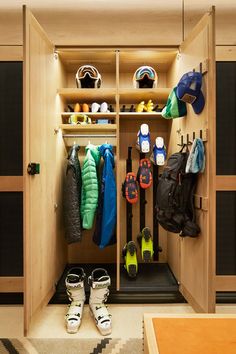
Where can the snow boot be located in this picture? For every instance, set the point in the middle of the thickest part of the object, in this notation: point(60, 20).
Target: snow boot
point(130, 257)
point(75, 291)
point(146, 244)
point(158, 156)
point(99, 281)
point(143, 139)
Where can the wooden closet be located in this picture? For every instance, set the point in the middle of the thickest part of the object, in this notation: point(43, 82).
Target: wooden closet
point(49, 86)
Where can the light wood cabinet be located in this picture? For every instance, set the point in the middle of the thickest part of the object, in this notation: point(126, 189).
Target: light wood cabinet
point(49, 86)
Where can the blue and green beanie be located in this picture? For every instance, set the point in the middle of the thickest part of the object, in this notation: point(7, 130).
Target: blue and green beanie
point(174, 107)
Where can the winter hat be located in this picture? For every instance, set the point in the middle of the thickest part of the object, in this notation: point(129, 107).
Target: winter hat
point(189, 90)
point(174, 107)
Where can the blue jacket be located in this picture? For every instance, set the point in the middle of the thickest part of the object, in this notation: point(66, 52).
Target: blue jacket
point(106, 216)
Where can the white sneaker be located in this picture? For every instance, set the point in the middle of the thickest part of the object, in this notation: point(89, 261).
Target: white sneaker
point(95, 107)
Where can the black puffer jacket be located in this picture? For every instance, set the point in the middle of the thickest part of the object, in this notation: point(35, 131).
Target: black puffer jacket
point(72, 196)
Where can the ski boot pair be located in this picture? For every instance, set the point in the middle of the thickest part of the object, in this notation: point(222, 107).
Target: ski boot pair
point(96, 107)
point(143, 144)
point(99, 282)
point(130, 252)
point(81, 107)
point(142, 107)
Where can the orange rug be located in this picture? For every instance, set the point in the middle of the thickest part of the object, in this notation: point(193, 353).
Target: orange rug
point(195, 335)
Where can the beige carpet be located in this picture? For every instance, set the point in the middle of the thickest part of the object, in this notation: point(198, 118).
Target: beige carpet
point(71, 346)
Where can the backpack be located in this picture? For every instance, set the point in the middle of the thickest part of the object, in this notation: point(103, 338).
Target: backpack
point(174, 202)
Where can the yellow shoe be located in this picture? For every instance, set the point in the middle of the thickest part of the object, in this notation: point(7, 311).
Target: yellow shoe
point(149, 106)
point(140, 107)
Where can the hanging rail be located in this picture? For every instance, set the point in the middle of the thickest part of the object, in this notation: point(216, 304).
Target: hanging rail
point(89, 135)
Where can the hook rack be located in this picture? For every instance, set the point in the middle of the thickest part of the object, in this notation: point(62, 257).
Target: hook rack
point(200, 202)
point(188, 138)
point(202, 67)
point(86, 139)
point(89, 135)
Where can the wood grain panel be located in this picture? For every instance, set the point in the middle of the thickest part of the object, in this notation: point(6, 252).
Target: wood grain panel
point(225, 283)
point(198, 255)
point(44, 254)
point(225, 18)
point(225, 183)
point(225, 53)
point(11, 284)
point(11, 183)
point(11, 53)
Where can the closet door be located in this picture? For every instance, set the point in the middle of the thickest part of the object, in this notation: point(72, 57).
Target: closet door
point(197, 263)
point(40, 238)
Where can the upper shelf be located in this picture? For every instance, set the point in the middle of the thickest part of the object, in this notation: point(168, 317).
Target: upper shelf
point(159, 59)
point(140, 115)
point(158, 95)
point(69, 128)
point(127, 95)
point(97, 115)
point(72, 95)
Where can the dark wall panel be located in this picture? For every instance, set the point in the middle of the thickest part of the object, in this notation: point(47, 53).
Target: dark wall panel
point(11, 234)
point(226, 233)
point(226, 118)
point(11, 100)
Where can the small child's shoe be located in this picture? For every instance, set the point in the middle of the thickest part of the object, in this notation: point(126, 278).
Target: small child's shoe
point(159, 152)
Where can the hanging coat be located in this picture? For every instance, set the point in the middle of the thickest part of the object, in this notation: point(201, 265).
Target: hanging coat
point(71, 197)
point(89, 199)
point(106, 221)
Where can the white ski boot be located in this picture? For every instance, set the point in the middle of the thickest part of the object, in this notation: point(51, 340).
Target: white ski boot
point(75, 291)
point(99, 282)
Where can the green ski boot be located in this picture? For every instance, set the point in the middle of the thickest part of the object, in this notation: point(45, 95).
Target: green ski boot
point(146, 244)
point(130, 257)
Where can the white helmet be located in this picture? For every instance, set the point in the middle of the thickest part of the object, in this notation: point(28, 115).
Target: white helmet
point(145, 77)
point(88, 76)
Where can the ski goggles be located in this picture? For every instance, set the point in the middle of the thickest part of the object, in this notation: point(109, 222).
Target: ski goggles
point(145, 70)
point(88, 76)
point(89, 70)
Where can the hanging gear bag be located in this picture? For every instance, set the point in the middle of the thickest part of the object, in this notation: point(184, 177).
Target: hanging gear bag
point(175, 191)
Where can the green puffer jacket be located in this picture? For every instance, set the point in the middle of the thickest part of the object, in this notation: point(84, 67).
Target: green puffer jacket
point(89, 195)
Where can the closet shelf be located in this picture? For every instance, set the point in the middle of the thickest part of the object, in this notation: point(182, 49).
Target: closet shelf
point(72, 95)
point(141, 115)
point(158, 95)
point(67, 128)
point(98, 115)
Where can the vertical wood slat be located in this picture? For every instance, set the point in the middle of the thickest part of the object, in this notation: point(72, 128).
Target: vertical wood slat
point(118, 177)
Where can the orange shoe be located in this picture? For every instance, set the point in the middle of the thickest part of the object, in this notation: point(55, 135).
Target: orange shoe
point(131, 188)
point(144, 175)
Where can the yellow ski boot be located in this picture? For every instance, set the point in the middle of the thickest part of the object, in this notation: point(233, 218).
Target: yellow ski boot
point(130, 257)
point(146, 244)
